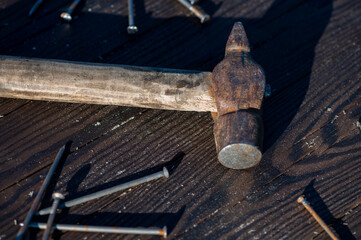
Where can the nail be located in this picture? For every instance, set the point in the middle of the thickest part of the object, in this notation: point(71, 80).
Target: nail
point(57, 197)
point(104, 229)
point(198, 12)
point(303, 201)
point(105, 192)
point(35, 7)
point(39, 196)
point(67, 15)
point(132, 29)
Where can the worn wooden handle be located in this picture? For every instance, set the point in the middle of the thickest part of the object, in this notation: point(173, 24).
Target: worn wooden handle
point(63, 81)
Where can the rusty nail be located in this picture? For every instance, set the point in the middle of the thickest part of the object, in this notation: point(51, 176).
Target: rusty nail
point(198, 12)
point(308, 207)
point(67, 15)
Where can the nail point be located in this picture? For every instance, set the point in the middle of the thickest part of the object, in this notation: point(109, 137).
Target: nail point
point(165, 234)
point(166, 172)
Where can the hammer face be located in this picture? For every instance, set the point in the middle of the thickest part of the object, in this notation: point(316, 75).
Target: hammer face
point(238, 137)
point(230, 156)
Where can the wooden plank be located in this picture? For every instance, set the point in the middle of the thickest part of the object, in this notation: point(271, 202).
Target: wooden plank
point(271, 211)
point(14, 18)
point(156, 204)
point(123, 146)
point(44, 117)
point(18, 27)
point(209, 198)
point(348, 226)
point(329, 105)
point(216, 187)
point(352, 73)
point(8, 106)
point(59, 41)
point(44, 127)
point(194, 35)
point(276, 44)
point(20, 163)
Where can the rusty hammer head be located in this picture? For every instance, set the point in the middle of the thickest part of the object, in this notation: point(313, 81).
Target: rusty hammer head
point(238, 85)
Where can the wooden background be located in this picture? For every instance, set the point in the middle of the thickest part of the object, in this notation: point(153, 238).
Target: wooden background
point(310, 51)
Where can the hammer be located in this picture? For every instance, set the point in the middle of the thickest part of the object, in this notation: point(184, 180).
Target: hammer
point(233, 92)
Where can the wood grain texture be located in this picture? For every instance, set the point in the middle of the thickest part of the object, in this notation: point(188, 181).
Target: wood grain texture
point(9, 105)
point(349, 220)
point(122, 85)
point(311, 56)
point(40, 138)
point(120, 160)
point(327, 163)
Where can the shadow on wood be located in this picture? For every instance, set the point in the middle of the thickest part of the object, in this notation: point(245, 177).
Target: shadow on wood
point(284, 37)
point(322, 210)
point(131, 220)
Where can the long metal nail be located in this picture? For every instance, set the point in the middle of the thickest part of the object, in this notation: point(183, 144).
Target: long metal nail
point(132, 29)
point(104, 229)
point(35, 7)
point(105, 192)
point(67, 15)
point(303, 201)
point(57, 197)
point(198, 12)
point(39, 196)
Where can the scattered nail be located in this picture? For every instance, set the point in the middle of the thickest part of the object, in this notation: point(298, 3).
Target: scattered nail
point(67, 15)
point(104, 229)
point(308, 207)
point(198, 12)
point(105, 192)
point(132, 29)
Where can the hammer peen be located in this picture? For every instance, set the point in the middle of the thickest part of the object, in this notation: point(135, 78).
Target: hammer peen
point(233, 92)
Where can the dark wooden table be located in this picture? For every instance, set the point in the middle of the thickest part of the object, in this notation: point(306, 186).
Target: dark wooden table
point(310, 51)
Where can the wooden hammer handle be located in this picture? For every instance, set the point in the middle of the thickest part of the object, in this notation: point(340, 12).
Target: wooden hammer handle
point(63, 81)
